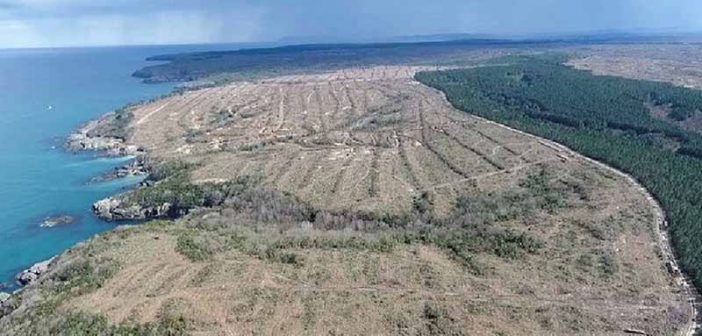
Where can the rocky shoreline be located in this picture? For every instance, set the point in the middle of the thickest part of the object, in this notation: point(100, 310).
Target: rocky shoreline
point(114, 209)
point(91, 137)
point(95, 136)
point(106, 136)
point(137, 167)
point(25, 278)
point(33, 273)
point(82, 140)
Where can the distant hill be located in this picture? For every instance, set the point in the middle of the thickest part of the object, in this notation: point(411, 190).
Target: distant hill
point(422, 49)
point(311, 57)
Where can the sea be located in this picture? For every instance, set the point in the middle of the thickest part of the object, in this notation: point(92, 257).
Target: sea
point(45, 94)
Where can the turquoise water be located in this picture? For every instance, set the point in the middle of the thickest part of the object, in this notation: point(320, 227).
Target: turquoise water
point(37, 178)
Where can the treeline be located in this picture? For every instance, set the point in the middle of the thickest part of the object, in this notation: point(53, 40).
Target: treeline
point(606, 118)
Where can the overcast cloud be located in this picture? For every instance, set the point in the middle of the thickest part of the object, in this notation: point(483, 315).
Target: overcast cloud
point(43, 23)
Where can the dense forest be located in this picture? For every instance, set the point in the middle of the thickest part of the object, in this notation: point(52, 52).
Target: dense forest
point(614, 120)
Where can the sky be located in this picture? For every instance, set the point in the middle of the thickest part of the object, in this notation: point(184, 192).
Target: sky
point(61, 23)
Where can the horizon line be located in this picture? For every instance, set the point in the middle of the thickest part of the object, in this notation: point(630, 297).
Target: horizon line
point(283, 41)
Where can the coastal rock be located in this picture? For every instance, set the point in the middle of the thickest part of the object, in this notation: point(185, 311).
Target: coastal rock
point(104, 208)
point(86, 139)
point(114, 209)
point(33, 273)
point(25, 278)
point(5, 306)
point(41, 267)
point(136, 168)
point(81, 141)
point(50, 222)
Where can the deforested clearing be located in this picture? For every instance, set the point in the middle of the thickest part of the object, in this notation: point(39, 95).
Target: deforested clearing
point(376, 208)
point(366, 139)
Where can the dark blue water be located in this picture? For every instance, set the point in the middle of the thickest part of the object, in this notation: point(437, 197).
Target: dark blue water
point(37, 178)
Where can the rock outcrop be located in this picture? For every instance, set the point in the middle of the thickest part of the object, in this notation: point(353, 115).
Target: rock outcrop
point(85, 139)
point(116, 209)
point(5, 304)
point(50, 222)
point(33, 273)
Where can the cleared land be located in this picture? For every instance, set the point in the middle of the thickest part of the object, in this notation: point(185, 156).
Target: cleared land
point(551, 243)
point(679, 64)
point(365, 139)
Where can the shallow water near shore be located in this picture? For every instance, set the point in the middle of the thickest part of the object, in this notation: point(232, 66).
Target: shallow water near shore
point(44, 95)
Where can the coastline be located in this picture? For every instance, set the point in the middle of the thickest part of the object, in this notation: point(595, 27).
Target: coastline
point(87, 138)
point(98, 136)
point(80, 140)
point(92, 137)
point(42, 181)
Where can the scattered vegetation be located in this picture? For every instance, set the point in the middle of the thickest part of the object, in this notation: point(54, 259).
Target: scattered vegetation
point(438, 322)
point(97, 325)
point(605, 118)
point(173, 186)
point(267, 224)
